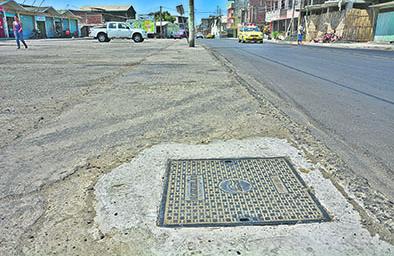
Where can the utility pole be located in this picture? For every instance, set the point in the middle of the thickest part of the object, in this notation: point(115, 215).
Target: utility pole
point(191, 24)
point(161, 21)
point(292, 22)
point(300, 17)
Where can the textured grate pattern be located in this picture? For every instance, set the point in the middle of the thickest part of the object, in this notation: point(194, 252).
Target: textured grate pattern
point(249, 191)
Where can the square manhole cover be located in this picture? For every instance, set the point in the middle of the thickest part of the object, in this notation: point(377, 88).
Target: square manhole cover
point(229, 192)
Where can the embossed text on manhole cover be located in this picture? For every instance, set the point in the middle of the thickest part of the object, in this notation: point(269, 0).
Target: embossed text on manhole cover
point(228, 192)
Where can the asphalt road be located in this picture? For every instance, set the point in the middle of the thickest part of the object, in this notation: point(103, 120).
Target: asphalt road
point(346, 96)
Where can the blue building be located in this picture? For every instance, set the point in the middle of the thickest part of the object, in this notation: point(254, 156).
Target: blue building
point(50, 22)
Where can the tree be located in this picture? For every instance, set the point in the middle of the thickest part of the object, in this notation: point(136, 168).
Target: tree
point(165, 15)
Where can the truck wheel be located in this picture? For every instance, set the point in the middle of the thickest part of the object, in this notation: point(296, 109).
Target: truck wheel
point(137, 37)
point(102, 38)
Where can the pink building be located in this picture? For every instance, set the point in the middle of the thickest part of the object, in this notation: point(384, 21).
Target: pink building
point(256, 11)
point(230, 15)
point(280, 12)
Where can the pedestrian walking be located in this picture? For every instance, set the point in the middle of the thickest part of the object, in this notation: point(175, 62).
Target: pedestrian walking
point(300, 35)
point(18, 32)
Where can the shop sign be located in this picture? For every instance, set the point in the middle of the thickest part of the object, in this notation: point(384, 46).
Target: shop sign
point(272, 15)
point(40, 18)
point(8, 14)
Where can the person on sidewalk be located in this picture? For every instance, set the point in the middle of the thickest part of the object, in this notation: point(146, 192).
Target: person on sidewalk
point(18, 32)
point(300, 35)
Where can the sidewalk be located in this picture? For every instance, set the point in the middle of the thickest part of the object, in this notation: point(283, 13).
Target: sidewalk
point(343, 45)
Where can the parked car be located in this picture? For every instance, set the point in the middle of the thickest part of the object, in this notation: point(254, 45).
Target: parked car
point(210, 36)
point(180, 34)
point(199, 35)
point(113, 30)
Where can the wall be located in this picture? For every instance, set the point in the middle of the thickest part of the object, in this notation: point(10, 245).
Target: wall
point(358, 25)
point(352, 25)
point(385, 27)
point(257, 11)
point(27, 25)
point(49, 24)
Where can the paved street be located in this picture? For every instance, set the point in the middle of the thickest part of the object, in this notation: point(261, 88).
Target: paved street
point(346, 96)
point(87, 129)
point(72, 110)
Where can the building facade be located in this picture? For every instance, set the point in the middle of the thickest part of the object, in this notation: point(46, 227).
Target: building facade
point(349, 19)
point(47, 20)
point(91, 16)
point(256, 11)
point(237, 13)
point(182, 22)
point(383, 14)
point(282, 15)
point(231, 19)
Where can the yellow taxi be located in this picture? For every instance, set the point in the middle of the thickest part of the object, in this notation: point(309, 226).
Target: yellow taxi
point(250, 34)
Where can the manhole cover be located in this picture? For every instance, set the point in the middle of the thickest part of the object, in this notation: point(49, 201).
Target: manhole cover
point(228, 192)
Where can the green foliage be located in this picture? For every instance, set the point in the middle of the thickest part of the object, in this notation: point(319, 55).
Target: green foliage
point(275, 34)
point(165, 15)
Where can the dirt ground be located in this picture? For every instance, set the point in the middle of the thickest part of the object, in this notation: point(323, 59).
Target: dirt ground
point(73, 110)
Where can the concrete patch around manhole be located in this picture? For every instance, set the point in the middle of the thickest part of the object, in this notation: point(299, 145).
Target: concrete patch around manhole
point(238, 191)
point(128, 201)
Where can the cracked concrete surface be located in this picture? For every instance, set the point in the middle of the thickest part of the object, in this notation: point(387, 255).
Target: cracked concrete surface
point(63, 129)
point(128, 199)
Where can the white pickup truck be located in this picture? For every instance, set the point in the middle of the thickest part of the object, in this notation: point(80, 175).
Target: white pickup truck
point(113, 30)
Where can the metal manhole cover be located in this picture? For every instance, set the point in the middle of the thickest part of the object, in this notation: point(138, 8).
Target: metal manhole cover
point(228, 192)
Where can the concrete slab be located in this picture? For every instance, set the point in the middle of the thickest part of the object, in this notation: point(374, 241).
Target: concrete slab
point(128, 200)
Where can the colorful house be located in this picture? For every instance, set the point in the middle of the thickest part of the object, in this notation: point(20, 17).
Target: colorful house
point(50, 22)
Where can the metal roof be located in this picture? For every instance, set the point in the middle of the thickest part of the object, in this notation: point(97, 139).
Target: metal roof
point(383, 5)
point(47, 10)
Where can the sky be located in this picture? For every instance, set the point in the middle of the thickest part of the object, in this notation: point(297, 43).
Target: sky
point(204, 8)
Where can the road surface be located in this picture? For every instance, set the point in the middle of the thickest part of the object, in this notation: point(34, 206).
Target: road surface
point(346, 96)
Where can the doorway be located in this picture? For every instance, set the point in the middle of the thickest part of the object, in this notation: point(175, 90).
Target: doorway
point(42, 29)
point(10, 21)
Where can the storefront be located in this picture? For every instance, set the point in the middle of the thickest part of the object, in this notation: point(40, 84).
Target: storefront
point(41, 26)
point(3, 24)
point(70, 23)
point(47, 20)
point(28, 25)
point(66, 24)
point(58, 27)
point(73, 27)
point(50, 27)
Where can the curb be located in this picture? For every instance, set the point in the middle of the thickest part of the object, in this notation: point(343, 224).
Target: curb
point(338, 45)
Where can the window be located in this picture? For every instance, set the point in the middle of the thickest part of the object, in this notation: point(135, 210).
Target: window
point(112, 25)
point(251, 29)
point(122, 26)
